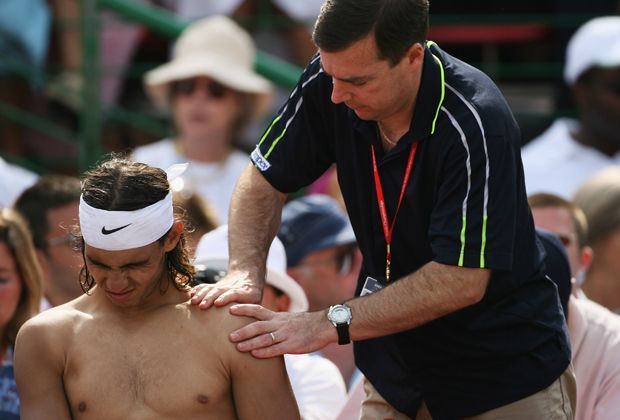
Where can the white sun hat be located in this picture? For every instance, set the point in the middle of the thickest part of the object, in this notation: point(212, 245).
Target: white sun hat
point(596, 43)
point(212, 252)
point(218, 48)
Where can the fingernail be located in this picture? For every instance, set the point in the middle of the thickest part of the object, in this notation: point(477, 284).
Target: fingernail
point(234, 336)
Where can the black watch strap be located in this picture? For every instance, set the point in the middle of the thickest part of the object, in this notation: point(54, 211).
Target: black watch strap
point(343, 333)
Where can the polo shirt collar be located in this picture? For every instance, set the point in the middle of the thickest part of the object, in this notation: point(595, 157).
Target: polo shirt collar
point(430, 95)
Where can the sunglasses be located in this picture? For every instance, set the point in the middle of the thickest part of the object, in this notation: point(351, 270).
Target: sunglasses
point(212, 88)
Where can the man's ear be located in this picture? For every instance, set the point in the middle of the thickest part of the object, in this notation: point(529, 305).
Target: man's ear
point(585, 257)
point(415, 54)
point(173, 237)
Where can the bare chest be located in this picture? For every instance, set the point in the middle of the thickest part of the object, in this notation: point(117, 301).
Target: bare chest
point(155, 370)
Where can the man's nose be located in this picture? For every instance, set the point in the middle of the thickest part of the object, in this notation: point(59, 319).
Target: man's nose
point(339, 91)
point(115, 280)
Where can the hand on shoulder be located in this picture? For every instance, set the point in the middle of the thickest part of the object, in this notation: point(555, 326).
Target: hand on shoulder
point(234, 287)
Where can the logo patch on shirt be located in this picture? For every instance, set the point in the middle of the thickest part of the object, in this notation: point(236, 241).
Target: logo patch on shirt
point(258, 159)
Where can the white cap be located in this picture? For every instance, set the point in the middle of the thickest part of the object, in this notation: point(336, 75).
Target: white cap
point(596, 43)
point(212, 251)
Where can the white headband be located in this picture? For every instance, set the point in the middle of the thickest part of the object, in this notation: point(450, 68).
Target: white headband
point(121, 230)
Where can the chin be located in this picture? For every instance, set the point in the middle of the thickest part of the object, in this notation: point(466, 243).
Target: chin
point(365, 114)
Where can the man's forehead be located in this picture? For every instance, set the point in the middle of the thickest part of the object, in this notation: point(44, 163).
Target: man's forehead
point(360, 58)
point(122, 257)
point(553, 218)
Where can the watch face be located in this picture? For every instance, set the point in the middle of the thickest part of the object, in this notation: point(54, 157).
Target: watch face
point(339, 315)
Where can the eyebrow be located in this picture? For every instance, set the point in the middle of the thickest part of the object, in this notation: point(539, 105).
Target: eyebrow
point(355, 79)
point(129, 264)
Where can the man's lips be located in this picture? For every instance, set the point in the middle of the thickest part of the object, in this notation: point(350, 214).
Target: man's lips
point(119, 296)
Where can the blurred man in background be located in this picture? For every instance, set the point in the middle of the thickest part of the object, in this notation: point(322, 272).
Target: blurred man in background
point(570, 151)
point(50, 208)
point(593, 330)
point(323, 257)
point(599, 197)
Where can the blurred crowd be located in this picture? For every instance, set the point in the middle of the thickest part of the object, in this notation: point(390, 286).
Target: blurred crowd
point(206, 86)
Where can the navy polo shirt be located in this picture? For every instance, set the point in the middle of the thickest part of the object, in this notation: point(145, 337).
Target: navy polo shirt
point(465, 205)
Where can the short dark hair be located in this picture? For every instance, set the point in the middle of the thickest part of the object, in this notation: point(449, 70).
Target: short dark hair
point(48, 193)
point(119, 184)
point(397, 24)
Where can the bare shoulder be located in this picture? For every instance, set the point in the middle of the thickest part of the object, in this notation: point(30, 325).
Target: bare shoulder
point(52, 326)
point(219, 316)
point(216, 324)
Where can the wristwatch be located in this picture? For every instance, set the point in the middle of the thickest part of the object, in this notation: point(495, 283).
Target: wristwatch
point(340, 316)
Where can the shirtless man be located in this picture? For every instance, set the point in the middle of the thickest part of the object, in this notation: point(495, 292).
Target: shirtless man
point(133, 347)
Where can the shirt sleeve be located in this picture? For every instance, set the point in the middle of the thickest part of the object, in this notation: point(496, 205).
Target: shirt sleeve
point(474, 215)
point(296, 148)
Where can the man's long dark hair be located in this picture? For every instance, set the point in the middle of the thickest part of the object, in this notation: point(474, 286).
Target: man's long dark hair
point(396, 24)
point(119, 184)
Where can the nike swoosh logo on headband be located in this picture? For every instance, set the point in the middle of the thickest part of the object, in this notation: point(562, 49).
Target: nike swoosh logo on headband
point(107, 232)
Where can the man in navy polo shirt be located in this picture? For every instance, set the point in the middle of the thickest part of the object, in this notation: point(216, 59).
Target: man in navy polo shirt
point(455, 316)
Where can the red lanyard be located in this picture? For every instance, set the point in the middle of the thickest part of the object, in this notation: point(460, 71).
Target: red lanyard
point(387, 227)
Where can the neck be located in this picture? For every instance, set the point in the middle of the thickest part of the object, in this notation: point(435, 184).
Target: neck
point(600, 289)
point(395, 126)
point(154, 300)
point(391, 132)
point(386, 141)
point(607, 145)
point(214, 150)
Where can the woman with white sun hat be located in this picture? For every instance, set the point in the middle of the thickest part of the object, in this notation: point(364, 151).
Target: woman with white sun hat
point(212, 92)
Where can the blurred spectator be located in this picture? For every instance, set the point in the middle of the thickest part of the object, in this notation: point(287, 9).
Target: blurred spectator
point(50, 207)
point(20, 295)
point(323, 258)
point(13, 180)
point(599, 198)
point(569, 151)
point(593, 330)
point(212, 93)
point(320, 249)
point(317, 384)
point(569, 223)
